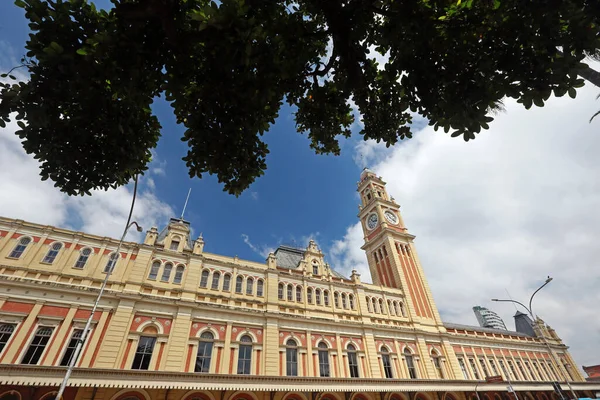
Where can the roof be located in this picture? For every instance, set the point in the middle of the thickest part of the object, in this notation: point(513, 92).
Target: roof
point(452, 325)
point(163, 234)
point(289, 257)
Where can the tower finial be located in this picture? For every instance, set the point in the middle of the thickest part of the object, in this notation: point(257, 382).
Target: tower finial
point(185, 204)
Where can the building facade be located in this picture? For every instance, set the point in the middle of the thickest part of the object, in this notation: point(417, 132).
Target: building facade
point(488, 319)
point(178, 323)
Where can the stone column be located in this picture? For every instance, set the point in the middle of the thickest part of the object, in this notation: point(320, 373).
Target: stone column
point(115, 338)
point(178, 340)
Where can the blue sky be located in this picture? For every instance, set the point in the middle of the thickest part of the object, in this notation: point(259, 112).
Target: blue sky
point(301, 193)
point(493, 215)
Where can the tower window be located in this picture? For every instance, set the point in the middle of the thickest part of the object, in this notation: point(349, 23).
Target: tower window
point(204, 279)
point(290, 292)
point(299, 294)
point(259, 287)
point(20, 247)
point(280, 291)
point(318, 296)
point(38, 345)
point(52, 253)
point(309, 296)
point(174, 245)
point(344, 303)
point(351, 301)
point(336, 299)
point(437, 365)
point(315, 268)
point(143, 353)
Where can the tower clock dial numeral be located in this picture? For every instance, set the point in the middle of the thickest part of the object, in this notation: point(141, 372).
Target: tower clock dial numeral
point(391, 217)
point(372, 221)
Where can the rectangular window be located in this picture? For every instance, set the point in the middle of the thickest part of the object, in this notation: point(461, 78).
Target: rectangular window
point(174, 245)
point(239, 281)
point(244, 359)
point(6, 331)
point(387, 366)
point(474, 367)
point(537, 370)
point(38, 345)
point(353, 364)
point(70, 351)
point(315, 270)
point(531, 374)
point(503, 368)
point(521, 370)
point(438, 367)
point(463, 368)
point(203, 357)
point(259, 288)
point(215, 280)
point(513, 372)
point(143, 354)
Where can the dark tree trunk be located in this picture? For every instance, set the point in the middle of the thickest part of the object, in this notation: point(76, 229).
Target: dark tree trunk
point(587, 73)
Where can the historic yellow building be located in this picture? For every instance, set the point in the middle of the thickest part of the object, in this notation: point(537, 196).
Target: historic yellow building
point(177, 323)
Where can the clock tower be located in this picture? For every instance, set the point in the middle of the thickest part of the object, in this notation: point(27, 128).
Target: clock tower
point(391, 254)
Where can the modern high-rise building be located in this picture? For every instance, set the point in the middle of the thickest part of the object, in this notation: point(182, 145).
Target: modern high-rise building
point(488, 318)
point(179, 323)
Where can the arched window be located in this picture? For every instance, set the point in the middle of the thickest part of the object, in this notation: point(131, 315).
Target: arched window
point(249, 286)
point(179, 274)
point(280, 291)
point(299, 294)
point(336, 299)
point(309, 298)
point(143, 353)
point(239, 281)
point(437, 365)
point(290, 292)
point(245, 355)
point(381, 306)
point(402, 309)
point(52, 253)
point(375, 306)
point(215, 280)
point(10, 395)
point(410, 363)
point(326, 297)
point(352, 361)
point(351, 301)
point(315, 268)
point(226, 282)
point(84, 255)
point(369, 305)
point(204, 278)
point(291, 358)
point(154, 270)
point(318, 296)
point(397, 308)
point(323, 359)
point(387, 364)
point(205, 347)
point(71, 346)
point(259, 288)
point(112, 261)
point(166, 275)
point(38, 345)
point(19, 249)
point(344, 302)
point(392, 311)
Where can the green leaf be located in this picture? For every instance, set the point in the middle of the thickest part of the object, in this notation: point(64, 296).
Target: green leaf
point(20, 3)
point(82, 51)
point(572, 93)
point(538, 102)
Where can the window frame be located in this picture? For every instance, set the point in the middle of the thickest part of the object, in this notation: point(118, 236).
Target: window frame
point(166, 274)
point(249, 286)
point(244, 366)
point(145, 356)
point(153, 275)
point(37, 345)
point(52, 253)
point(5, 337)
point(260, 288)
point(353, 367)
point(291, 358)
point(179, 271)
point(226, 282)
point(323, 358)
point(71, 347)
point(204, 278)
point(299, 294)
point(214, 285)
point(204, 343)
point(17, 251)
point(386, 361)
point(239, 284)
point(409, 359)
point(111, 263)
point(84, 257)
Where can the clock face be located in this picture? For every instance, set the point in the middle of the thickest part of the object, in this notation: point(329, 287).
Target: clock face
point(372, 221)
point(391, 217)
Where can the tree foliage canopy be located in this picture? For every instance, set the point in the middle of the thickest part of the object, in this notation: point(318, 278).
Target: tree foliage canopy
point(227, 67)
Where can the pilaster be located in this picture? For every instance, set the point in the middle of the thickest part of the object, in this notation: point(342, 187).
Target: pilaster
point(178, 340)
point(271, 346)
point(115, 337)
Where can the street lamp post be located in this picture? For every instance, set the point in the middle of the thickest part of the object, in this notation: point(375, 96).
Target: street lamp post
point(77, 352)
point(534, 320)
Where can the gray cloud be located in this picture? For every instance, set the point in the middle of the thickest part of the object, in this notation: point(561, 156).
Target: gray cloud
point(519, 203)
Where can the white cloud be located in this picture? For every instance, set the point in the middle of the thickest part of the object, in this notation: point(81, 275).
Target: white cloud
point(254, 195)
point(24, 196)
point(502, 212)
point(261, 250)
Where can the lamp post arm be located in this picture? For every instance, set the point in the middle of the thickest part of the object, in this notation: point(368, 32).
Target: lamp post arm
point(534, 293)
point(515, 301)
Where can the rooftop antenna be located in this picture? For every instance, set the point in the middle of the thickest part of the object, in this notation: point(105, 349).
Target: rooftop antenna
point(185, 205)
